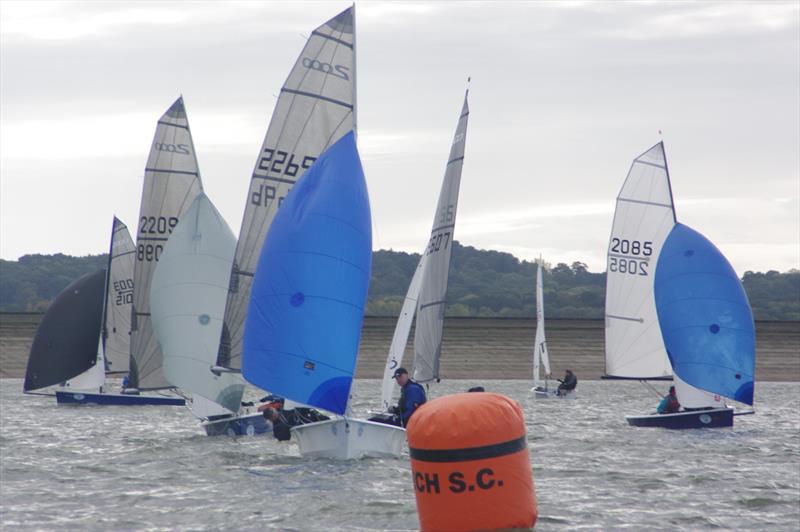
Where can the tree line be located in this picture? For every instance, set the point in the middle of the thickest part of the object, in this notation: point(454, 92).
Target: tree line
point(482, 283)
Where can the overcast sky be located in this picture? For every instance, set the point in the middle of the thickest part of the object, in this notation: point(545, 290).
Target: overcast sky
point(563, 96)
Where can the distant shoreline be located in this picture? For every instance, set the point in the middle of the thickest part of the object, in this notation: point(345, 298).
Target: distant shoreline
point(476, 348)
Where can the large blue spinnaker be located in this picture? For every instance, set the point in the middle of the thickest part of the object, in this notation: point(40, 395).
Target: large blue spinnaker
point(310, 288)
point(704, 315)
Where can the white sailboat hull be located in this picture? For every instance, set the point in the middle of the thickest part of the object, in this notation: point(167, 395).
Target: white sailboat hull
point(349, 439)
point(541, 393)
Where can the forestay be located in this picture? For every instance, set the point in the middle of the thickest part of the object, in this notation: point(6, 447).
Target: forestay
point(119, 299)
point(401, 332)
point(66, 341)
point(540, 355)
point(171, 183)
point(188, 293)
point(314, 110)
point(431, 304)
point(643, 218)
point(705, 317)
point(307, 306)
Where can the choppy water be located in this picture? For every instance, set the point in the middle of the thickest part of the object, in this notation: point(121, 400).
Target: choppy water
point(104, 468)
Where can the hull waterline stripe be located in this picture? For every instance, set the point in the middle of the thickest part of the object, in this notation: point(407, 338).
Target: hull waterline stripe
point(472, 453)
point(319, 97)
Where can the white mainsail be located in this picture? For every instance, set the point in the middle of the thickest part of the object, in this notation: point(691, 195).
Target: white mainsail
point(401, 331)
point(119, 299)
point(171, 183)
point(187, 301)
point(643, 218)
point(315, 109)
point(431, 304)
point(540, 355)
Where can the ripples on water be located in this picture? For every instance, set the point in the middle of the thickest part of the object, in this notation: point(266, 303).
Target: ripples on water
point(102, 468)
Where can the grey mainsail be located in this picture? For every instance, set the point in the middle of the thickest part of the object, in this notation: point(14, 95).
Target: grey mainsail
point(171, 183)
point(431, 303)
point(316, 108)
point(119, 299)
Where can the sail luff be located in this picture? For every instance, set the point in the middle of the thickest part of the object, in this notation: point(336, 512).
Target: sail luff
point(431, 304)
point(315, 109)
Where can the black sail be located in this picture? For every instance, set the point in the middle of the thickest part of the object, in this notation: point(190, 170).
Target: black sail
point(67, 339)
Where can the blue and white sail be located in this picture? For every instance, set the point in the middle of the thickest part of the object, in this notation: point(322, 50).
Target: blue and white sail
point(187, 302)
point(309, 292)
point(316, 107)
point(643, 218)
point(705, 318)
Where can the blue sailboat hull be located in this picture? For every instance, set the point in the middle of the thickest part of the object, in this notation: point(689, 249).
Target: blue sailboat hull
point(247, 425)
point(696, 419)
point(89, 398)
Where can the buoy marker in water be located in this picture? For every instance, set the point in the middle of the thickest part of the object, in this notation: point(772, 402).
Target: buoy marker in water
point(470, 464)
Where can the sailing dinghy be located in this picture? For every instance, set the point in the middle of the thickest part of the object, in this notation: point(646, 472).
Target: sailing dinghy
point(84, 335)
point(307, 306)
point(674, 305)
point(426, 297)
point(316, 108)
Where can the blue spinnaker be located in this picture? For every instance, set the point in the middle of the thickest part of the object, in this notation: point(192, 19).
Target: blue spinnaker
point(704, 315)
point(310, 288)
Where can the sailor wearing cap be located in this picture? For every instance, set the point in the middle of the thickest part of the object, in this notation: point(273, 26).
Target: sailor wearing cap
point(412, 395)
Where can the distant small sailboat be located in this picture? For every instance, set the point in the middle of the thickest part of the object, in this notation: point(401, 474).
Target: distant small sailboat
point(674, 304)
point(541, 355)
point(426, 296)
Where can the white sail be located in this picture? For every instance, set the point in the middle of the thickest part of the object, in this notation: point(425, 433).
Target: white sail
point(401, 331)
point(431, 304)
point(540, 355)
point(92, 379)
point(691, 397)
point(315, 109)
point(187, 302)
point(171, 183)
point(643, 218)
point(119, 299)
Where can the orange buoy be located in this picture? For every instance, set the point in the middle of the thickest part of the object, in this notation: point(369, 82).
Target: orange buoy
point(470, 463)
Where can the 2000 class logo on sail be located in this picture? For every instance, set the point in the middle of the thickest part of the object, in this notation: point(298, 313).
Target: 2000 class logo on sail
point(340, 71)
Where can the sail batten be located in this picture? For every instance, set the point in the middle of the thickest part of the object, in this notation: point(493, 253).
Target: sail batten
point(315, 109)
point(171, 183)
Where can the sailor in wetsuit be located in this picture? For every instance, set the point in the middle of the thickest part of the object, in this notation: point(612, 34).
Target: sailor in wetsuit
point(568, 384)
point(284, 420)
